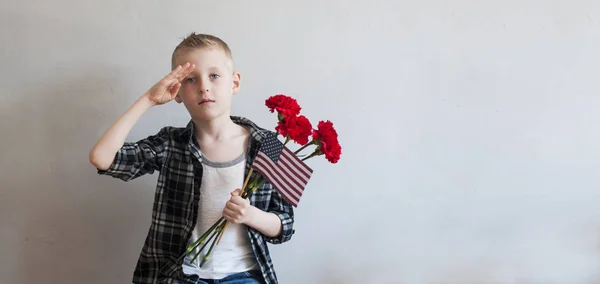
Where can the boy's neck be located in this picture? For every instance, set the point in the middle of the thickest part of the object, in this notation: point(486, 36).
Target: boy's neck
point(218, 129)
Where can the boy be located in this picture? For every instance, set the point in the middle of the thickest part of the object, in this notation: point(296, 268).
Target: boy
point(201, 168)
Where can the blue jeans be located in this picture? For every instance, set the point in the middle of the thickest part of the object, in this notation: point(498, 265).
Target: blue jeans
point(238, 278)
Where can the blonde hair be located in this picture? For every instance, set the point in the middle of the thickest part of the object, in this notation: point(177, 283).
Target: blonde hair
point(197, 41)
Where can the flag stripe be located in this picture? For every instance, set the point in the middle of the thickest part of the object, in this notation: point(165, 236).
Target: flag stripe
point(288, 174)
point(297, 180)
point(271, 171)
point(293, 199)
point(286, 163)
point(282, 171)
point(294, 162)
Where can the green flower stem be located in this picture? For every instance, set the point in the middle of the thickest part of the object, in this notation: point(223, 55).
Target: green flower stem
point(254, 187)
point(252, 184)
point(212, 236)
point(303, 147)
point(260, 184)
point(203, 237)
point(212, 246)
point(315, 153)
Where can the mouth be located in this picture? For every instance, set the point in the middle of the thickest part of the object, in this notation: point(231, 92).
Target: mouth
point(206, 101)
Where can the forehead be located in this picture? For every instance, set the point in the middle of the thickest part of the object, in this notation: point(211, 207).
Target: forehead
point(203, 58)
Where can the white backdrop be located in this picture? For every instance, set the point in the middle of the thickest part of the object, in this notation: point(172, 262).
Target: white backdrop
point(469, 130)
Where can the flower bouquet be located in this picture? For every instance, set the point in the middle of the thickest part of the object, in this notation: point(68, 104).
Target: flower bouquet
point(293, 127)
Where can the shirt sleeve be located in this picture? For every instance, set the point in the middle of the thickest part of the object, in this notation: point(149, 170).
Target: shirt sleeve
point(136, 159)
point(284, 210)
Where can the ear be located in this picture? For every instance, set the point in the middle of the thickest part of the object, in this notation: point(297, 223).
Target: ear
point(178, 98)
point(236, 82)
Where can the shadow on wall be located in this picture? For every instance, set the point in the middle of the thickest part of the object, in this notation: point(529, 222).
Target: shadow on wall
point(76, 227)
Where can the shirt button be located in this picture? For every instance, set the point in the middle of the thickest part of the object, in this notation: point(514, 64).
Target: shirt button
point(196, 184)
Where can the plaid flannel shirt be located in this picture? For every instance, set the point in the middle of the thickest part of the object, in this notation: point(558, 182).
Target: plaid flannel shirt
point(175, 154)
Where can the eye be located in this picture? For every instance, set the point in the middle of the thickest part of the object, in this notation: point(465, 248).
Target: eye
point(189, 80)
point(214, 76)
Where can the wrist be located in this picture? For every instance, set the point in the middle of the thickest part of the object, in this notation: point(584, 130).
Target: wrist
point(253, 215)
point(146, 101)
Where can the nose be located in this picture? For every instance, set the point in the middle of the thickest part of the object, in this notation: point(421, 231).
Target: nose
point(203, 87)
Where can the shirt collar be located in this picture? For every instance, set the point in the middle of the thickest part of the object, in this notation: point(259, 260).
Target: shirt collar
point(257, 133)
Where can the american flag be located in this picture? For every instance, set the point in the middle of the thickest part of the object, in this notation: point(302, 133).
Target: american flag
point(282, 168)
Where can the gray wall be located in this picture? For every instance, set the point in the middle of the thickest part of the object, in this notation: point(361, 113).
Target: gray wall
point(477, 122)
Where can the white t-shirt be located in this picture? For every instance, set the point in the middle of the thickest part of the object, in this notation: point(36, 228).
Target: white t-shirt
point(234, 253)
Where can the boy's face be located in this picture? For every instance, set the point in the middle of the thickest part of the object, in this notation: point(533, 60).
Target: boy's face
point(207, 91)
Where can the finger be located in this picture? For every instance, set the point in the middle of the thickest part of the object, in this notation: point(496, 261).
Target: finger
point(238, 200)
point(173, 73)
point(172, 83)
point(174, 89)
point(183, 70)
point(229, 212)
point(189, 68)
point(231, 205)
point(230, 215)
point(186, 71)
point(168, 82)
point(169, 85)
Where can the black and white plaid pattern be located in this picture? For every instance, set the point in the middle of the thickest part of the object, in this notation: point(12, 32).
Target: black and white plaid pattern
point(174, 153)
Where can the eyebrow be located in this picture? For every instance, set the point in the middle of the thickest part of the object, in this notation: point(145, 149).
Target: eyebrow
point(215, 68)
point(209, 69)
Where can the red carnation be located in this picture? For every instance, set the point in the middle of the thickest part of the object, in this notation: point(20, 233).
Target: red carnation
point(325, 130)
point(332, 152)
point(327, 139)
point(285, 105)
point(282, 129)
point(297, 127)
